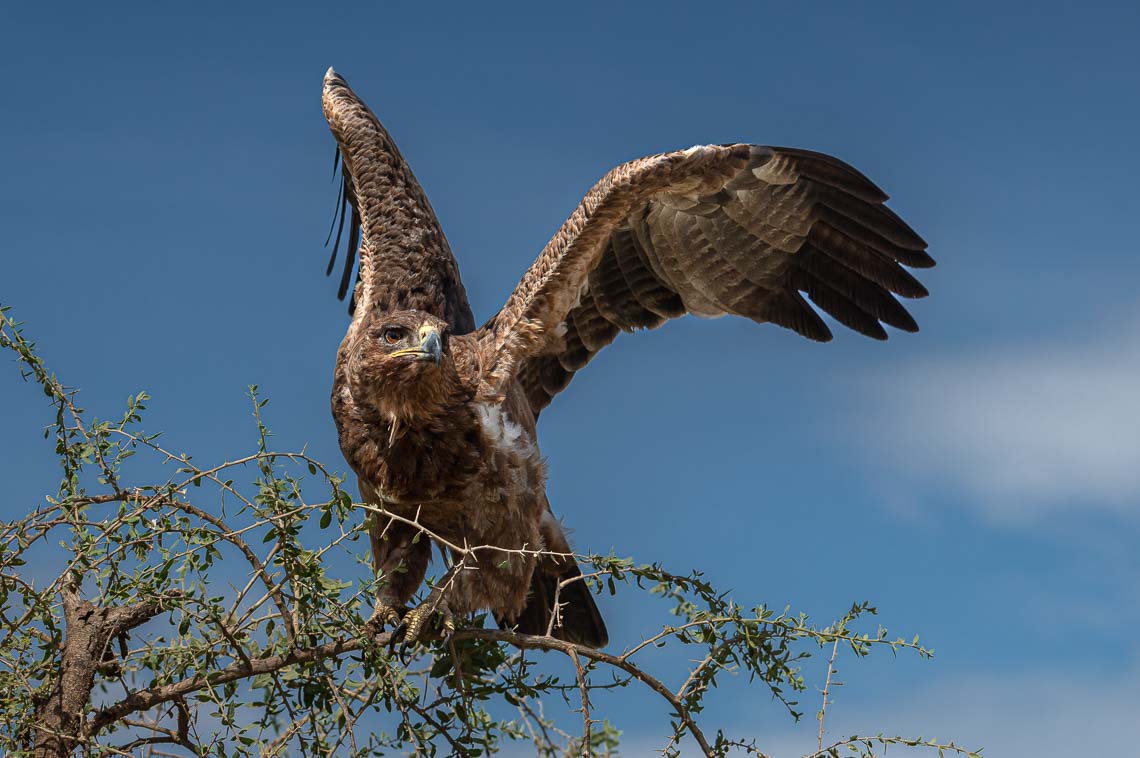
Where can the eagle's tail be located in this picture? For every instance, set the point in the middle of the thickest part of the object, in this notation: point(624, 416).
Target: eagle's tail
point(579, 621)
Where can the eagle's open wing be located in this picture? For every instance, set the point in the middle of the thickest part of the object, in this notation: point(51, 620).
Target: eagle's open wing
point(713, 230)
point(405, 261)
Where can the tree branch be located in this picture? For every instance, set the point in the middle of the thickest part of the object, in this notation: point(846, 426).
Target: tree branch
point(89, 630)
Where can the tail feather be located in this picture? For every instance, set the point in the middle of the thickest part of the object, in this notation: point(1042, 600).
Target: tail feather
point(579, 621)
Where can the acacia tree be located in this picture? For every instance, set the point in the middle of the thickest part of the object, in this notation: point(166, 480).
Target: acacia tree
point(202, 616)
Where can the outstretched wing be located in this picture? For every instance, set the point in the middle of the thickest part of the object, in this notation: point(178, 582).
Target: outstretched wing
point(744, 230)
point(404, 259)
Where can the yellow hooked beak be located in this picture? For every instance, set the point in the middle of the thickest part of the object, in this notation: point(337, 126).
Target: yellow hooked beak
point(430, 349)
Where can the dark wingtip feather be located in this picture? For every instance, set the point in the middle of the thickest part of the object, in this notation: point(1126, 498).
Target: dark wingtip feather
point(911, 239)
point(843, 310)
point(899, 318)
point(344, 206)
point(787, 308)
point(338, 210)
point(829, 170)
point(918, 259)
point(349, 256)
point(340, 228)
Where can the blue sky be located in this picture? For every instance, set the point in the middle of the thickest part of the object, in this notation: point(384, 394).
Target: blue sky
point(164, 186)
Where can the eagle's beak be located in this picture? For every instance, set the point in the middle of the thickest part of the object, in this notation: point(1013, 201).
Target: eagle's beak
point(431, 344)
point(430, 349)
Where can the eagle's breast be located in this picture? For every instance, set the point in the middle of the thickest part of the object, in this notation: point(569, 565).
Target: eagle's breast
point(513, 476)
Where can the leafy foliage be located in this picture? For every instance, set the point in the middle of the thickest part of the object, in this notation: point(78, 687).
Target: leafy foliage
point(215, 621)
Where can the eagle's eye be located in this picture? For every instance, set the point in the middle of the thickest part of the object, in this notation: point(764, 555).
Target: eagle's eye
point(392, 335)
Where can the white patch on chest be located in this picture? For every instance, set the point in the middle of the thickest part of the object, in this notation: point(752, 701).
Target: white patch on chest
point(511, 483)
point(501, 432)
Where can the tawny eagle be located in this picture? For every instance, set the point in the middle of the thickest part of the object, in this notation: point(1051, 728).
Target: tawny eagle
point(437, 417)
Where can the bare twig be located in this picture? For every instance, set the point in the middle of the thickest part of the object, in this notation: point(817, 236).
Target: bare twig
point(584, 690)
point(827, 690)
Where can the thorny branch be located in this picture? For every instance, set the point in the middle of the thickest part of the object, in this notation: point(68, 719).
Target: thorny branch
point(826, 692)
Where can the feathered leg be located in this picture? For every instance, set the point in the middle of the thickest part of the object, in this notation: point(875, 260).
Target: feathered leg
point(400, 561)
point(416, 625)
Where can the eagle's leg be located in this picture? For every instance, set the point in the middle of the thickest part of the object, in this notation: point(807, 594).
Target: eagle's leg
point(496, 580)
point(415, 626)
point(401, 561)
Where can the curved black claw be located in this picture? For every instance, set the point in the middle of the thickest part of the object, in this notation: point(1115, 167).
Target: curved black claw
point(430, 620)
point(382, 615)
point(399, 637)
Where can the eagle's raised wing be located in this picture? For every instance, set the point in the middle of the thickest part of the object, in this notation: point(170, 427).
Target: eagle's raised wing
point(713, 230)
point(405, 261)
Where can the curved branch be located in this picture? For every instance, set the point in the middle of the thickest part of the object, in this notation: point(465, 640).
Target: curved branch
point(144, 700)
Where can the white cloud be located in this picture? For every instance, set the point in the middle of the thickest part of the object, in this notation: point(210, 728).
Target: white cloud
point(1026, 431)
point(1050, 712)
point(1046, 714)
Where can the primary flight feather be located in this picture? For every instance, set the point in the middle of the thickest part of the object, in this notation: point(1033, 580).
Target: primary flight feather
point(437, 418)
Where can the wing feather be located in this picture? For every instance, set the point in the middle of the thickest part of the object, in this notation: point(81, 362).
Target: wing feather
point(869, 262)
point(395, 241)
point(792, 164)
point(842, 309)
point(716, 230)
point(683, 267)
point(346, 273)
point(658, 302)
point(611, 292)
point(787, 308)
point(343, 208)
point(710, 269)
point(863, 293)
point(592, 328)
point(912, 258)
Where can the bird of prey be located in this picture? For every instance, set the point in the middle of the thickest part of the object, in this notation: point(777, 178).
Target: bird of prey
point(437, 417)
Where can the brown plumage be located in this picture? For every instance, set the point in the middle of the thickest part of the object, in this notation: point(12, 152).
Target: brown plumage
point(438, 419)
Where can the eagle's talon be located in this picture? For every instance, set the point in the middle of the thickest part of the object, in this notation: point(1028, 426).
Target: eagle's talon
point(417, 626)
point(396, 637)
point(382, 615)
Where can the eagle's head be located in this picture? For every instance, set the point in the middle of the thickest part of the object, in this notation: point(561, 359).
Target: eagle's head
point(400, 365)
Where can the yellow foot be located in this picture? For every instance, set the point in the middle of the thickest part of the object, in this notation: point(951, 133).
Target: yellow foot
point(430, 620)
point(382, 615)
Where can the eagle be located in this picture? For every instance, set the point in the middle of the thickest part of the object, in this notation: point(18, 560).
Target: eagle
point(437, 418)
